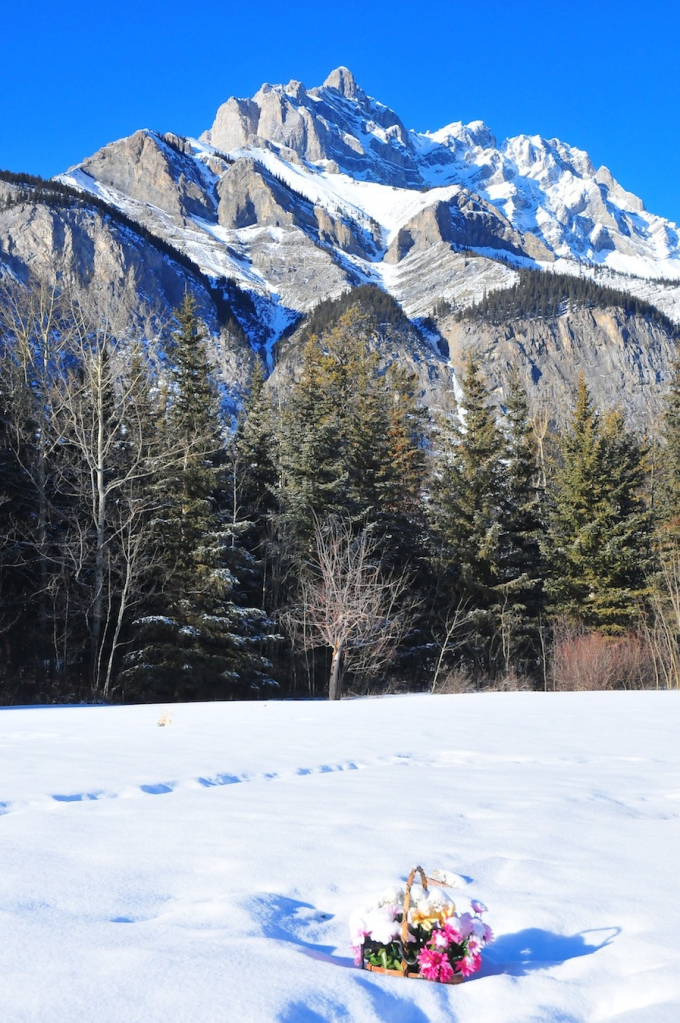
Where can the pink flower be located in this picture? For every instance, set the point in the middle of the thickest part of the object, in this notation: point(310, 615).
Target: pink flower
point(481, 932)
point(465, 925)
point(434, 965)
point(453, 935)
point(470, 964)
point(440, 939)
point(478, 907)
point(358, 951)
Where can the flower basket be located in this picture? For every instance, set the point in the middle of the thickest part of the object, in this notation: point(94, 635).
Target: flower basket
point(422, 938)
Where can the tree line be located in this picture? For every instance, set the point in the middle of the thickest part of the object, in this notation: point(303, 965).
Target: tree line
point(538, 293)
point(337, 536)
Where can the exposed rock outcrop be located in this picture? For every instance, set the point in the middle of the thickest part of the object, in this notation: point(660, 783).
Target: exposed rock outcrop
point(150, 169)
point(334, 122)
point(144, 283)
point(625, 359)
point(463, 221)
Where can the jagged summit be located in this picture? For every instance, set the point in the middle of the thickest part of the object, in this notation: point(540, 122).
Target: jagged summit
point(543, 187)
point(344, 82)
point(333, 123)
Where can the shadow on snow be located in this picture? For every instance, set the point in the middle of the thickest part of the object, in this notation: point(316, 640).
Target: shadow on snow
point(535, 949)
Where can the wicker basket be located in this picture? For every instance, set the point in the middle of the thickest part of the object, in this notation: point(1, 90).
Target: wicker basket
point(407, 969)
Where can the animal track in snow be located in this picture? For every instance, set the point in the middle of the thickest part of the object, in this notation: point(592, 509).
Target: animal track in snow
point(78, 797)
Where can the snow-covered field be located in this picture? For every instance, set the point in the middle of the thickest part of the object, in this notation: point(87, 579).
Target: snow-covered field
point(204, 871)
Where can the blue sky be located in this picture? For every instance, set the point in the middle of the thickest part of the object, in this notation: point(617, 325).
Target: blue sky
point(602, 75)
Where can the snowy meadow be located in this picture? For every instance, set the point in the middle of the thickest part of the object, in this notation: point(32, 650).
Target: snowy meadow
point(205, 869)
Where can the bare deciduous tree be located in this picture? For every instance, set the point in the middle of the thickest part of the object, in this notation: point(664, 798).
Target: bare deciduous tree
point(454, 623)
point(349, 604)
point(74, 377)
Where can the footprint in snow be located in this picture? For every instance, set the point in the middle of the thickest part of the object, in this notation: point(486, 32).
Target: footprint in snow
point(220, 779)
point(77, 797)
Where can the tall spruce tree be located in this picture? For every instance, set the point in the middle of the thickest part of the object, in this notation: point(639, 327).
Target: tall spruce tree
point(468, 517)
point(252, 449)
point(197, 640)
point(522, 562)
point(600, 529)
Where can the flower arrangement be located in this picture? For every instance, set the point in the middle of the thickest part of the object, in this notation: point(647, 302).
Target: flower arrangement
point(417, 932)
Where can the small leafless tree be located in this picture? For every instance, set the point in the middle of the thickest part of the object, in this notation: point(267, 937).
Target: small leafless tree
point(454, 624)
point(349, 603)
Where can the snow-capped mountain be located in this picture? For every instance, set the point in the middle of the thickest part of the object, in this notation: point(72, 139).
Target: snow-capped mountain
point(298, 193)
point(295, 195)
point(545, 188)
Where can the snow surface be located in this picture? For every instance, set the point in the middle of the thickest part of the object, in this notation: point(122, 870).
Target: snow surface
point(205, 870)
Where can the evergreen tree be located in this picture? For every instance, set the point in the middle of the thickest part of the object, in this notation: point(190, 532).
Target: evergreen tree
point(254, 474)
point(253, 485)
point(313, 470)
point(352, 436)
point(600, 537)
point(468, 516)
point(19, 605)
point(522, 564)
point(197, 641)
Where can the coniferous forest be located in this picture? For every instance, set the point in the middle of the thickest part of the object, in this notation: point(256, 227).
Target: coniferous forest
point(335, 537)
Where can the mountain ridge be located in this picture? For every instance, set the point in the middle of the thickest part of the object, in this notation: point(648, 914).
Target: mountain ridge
point(535, 201)
point(295, 195)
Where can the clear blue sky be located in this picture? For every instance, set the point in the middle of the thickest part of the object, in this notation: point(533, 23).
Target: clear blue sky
point(602, 75)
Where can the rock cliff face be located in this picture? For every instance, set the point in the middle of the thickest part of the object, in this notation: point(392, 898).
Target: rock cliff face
point(464, 221)
point(143, 282)
point(95, 250)
point(145, 167)
point(295, 195)
point(625, 359)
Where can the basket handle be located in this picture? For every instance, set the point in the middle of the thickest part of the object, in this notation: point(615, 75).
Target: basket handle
point(407, 905)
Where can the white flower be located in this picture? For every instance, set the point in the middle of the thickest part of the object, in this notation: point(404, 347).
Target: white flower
point(439, 899)
point(382, 926)
point(392, 896)
point(357, 927)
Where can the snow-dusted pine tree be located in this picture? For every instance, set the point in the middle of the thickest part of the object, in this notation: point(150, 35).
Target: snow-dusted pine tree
point(196, 641)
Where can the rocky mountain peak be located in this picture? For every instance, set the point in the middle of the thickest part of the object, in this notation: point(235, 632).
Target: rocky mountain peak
point(343, 81)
